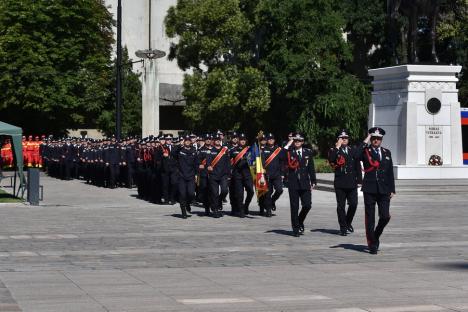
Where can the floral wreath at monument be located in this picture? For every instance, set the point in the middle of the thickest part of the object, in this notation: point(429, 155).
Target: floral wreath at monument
point(435, 160)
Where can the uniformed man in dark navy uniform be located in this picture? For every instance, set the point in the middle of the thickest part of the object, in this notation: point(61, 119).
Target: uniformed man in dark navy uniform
point(274, 159)
point(301, 179)
point(345, 160)
point(378, 185)
point(241, 178)
point(204, 196)
point(169, 174)
point(187, 165)
point(218, 167)
point(112, 160)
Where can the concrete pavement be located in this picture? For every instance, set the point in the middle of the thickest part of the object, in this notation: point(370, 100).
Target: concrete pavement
point(93, 249)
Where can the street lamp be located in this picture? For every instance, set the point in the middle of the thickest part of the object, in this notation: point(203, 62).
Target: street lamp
point(150, 54)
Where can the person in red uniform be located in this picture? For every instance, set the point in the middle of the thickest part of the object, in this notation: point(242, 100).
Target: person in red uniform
point(7, 154)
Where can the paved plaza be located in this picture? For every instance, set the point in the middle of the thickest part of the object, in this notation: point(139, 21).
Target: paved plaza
point(92, 249)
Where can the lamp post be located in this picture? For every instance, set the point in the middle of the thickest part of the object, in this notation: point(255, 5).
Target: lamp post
point(150, 91)
point(118, 82)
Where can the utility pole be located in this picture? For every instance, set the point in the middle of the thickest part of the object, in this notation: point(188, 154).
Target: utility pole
point(118, 82)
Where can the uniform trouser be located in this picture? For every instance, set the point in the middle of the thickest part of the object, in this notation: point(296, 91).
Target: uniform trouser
point(305, 196)
point(383, 202)
point(186, 191)
point(113, 175)
point(204, 191)
point(169, 184)
point(218, 188)
point(129, 175)
point(155, 186)
point(232, 200)
point(239, 185)
point(342, 195)
point(275, 189)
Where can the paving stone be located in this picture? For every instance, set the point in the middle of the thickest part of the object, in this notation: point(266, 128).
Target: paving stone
point(93, 249)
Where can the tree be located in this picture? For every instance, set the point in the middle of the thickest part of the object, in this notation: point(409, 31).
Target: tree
point(304, 55)
point(54, 63)
point(453, 41)
point(131, 104)
point(215, 40)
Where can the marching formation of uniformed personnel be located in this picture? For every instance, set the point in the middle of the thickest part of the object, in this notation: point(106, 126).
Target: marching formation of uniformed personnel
point(301, 181)
point(345, 160)
point(203, 170)
point(378, 185)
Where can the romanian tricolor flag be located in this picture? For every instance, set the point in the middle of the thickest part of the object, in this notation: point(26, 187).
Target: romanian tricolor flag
point(464, 123)
point(464, 117)
point(257, 171)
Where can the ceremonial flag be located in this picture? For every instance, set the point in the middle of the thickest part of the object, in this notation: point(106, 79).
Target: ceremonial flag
point(257, 171)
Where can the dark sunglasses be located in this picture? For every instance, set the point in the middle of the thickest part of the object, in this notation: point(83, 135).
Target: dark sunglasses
point(376, 138)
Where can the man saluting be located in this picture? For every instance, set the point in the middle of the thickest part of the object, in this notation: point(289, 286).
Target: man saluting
point(301, 177)
point(378, 185)
point(345, 160)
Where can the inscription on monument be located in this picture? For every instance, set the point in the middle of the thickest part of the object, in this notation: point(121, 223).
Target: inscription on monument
point(434, 144)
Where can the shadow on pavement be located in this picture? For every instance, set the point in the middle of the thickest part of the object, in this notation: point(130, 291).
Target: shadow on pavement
point(457, 266)
point(360, 248)
point(282, 232)
point(178, 215)
point(327, 231)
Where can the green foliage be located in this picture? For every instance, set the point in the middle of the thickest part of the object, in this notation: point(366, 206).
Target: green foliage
point(303, 54)
point(226, 97)
point(131, 102)
point(453, 41)
point(322, 165)
point(54, 63)
point(210, 33)
point(215, 38)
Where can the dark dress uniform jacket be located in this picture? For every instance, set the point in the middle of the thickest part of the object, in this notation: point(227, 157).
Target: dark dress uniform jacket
point(112, 154)
point(275, 168)
point(169, 164)
point(241, 169)
point(222, 168)
point(381, 180)
point(187, 160)
point(303, 176)
point(349, 175)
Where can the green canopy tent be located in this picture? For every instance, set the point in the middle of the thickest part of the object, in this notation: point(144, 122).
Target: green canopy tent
point(16, 134)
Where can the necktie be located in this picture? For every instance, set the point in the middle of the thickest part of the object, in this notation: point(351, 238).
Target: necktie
point(299, 154)
point(376, 151)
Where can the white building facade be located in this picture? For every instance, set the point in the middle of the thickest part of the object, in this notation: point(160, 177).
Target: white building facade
point(143, 28)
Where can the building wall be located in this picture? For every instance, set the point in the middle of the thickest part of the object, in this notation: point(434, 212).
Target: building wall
point(135, 34)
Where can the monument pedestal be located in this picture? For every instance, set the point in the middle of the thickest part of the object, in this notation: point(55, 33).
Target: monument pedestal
point(418, 107)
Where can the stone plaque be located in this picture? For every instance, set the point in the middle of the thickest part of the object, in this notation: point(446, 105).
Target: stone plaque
point(434, 144)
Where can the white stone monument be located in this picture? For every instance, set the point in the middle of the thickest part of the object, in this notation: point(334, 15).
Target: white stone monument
point(418, 107)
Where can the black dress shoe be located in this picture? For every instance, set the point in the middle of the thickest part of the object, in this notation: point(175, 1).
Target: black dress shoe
point(301, 228)
point(273, 208)
point(373, 250)
point(189, 209)
point(296, 233)
point(350, 229)
point(343, 233)
point(268, 213)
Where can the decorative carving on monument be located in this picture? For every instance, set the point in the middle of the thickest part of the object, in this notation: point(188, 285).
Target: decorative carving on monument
point(424, 85)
